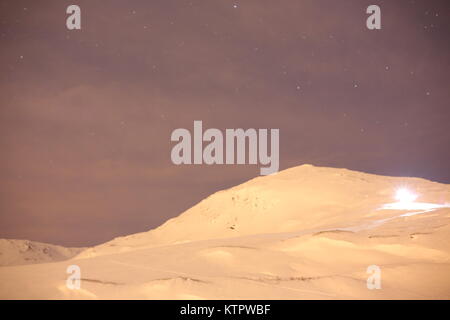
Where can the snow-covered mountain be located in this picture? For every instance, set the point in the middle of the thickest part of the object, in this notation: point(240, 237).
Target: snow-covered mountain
point(17, 252)
point(306, 232)
point(300, 198)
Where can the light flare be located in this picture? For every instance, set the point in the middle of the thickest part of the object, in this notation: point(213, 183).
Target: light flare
point(403, 195)
point(406, 200)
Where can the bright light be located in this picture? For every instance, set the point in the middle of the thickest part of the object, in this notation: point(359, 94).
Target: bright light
point(406, 200)
point(403, 195)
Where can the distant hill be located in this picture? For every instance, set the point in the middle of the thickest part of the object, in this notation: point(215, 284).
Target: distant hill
point(19, 252)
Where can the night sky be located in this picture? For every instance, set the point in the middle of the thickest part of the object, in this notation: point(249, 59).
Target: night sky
point(86, 115)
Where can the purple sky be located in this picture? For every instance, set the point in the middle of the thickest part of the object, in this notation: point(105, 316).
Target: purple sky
point(86, 116)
